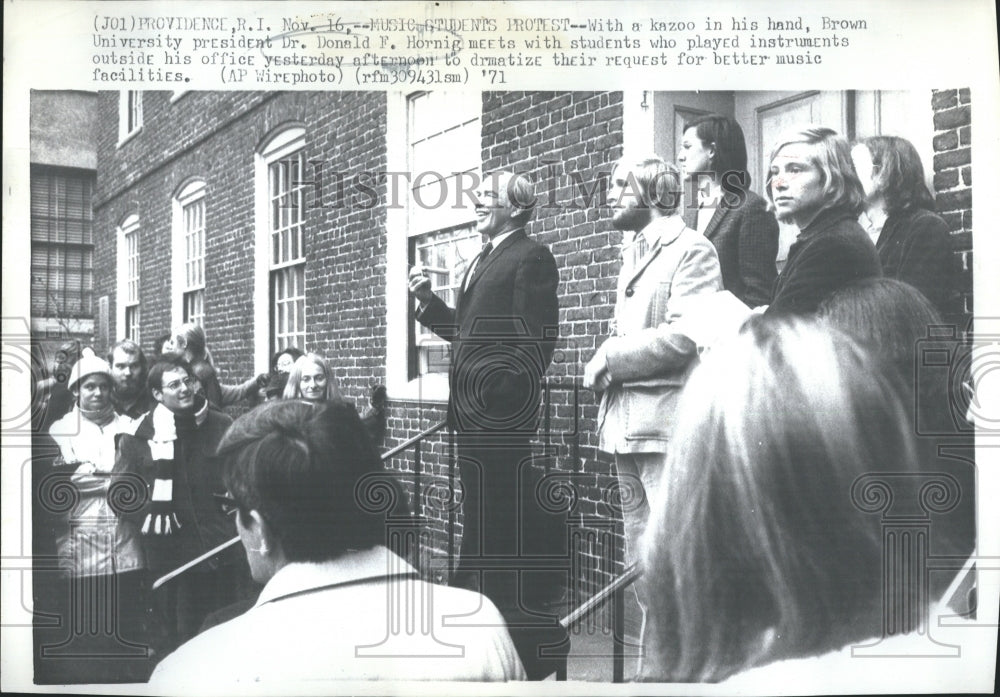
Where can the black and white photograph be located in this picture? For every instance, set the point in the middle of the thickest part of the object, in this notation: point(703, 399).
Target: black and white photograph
point(623, 385)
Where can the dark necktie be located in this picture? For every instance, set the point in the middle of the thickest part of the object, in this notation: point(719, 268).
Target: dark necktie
point(487, 248)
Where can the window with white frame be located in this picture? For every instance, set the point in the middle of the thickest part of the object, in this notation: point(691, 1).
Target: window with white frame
point(443, 157)
point(129, 114)
point(189, 251)
point(129, 316)
point(281, 211)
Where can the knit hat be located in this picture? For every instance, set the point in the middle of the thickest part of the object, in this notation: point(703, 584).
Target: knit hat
point(88, 364)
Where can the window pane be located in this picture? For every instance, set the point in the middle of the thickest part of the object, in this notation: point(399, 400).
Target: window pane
point(286, 196)
point(61, 243)
point(445, 256)
point(193, 216)
point(288, 310)
point(444, 140)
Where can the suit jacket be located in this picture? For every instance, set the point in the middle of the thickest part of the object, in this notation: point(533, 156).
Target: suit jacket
point(746, 239)
point(915, 247)
point(648, 362)
point(502, 330)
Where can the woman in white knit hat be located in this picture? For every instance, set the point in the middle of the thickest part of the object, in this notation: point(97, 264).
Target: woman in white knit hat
point(98, 549)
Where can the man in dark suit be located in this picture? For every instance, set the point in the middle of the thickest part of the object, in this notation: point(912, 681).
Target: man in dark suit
point(502, 330)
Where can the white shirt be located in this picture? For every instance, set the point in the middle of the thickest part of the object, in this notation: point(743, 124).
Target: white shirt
point(708, 201)
point(363, 616)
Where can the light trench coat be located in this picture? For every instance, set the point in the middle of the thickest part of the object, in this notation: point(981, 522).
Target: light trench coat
point(96, 541)
point(648, 362)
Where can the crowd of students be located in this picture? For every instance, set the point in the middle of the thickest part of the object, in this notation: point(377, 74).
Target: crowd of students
point(756, 550)
point(136, 447)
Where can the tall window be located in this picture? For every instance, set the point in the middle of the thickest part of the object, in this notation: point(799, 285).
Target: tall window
point(281, 223)
point(129, 114)
point(443, 134)
point(62, 244)
point(189, 246)
point(128, 279)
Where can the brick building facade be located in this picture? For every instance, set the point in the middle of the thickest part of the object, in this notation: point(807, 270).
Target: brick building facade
point(269, 218)
point(953, 185)
point(63, 155)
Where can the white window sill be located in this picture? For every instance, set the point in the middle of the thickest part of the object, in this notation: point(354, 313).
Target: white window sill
point(428, 389)
point(129, 136)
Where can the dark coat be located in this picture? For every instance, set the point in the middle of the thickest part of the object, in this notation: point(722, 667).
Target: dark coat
point(915, 247)
point(196, 477)
point(502, 330)
point(206, 375)
point(829, 253)
point(134, 410)
point(746, 239)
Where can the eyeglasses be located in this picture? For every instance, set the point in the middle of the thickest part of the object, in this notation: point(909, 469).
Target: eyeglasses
point(227, 503)
point(176, 384)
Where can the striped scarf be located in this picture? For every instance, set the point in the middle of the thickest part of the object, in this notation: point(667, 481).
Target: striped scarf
point(162, 518)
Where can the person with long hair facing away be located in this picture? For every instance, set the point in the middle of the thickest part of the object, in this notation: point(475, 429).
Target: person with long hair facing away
point(311, 379)
point(713, 161)
point(912, 241)
point(901, 328)
point(759, 540)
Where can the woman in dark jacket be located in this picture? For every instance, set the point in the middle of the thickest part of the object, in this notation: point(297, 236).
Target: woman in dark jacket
point(713, 160)
point(913, 242)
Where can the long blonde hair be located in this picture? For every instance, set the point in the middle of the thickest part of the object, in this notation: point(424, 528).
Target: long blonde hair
point(292, 388)
point(831, 154)
point(756, 532)
point(189, 338)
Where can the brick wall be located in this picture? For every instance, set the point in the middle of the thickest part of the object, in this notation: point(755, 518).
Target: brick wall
point(214, 136)
point(566, 141)
point(953, 187)
point(559, 139)
point(563, 140)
